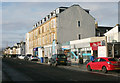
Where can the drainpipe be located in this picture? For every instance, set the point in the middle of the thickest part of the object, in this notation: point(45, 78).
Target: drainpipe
point(106, 46)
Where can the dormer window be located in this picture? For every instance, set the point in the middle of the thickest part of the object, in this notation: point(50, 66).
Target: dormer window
point(38, 23)
point(41, 21)
point(44, 19)
point(51, 14)
point(48, 16)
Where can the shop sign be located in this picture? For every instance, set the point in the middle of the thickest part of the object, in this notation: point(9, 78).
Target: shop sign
point(95, 45)
point(102, 51)
point(65, 47)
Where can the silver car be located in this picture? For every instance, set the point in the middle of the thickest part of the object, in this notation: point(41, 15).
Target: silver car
point(33, 58)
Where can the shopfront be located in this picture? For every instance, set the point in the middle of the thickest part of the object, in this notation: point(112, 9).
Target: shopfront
point(86, 47)
point(35, 51)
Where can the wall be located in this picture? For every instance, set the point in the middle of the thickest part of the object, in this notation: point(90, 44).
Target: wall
point(27, 43)
point(67, 29)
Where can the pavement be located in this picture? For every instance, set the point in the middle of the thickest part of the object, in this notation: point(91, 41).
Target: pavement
point(80, 67)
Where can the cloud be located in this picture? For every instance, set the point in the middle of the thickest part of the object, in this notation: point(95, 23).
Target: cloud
point(60, 0)
point(106, 13)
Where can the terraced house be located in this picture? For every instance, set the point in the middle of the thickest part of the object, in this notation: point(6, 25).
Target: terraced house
point(60, 26)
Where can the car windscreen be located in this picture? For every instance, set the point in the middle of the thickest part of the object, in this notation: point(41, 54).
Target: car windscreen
point(112, 59)
point(62, 56)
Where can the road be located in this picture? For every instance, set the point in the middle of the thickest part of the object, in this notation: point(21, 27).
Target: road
point(16, 70)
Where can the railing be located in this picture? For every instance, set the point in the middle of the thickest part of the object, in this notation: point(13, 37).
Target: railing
point(75, 55)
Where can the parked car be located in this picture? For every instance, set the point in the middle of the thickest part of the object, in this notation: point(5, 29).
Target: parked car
point(104, 63)
point(21, 56)
point(27, 56)
point(14, 56)
point(58, 59)
point(3, 56)
point(33, 58)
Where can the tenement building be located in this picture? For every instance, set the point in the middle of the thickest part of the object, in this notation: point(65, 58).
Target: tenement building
point(62, 25)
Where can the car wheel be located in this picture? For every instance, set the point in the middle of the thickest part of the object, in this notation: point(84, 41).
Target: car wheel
point(65, 64)
point(89, 68)
point(50, 64)
point(104, 69)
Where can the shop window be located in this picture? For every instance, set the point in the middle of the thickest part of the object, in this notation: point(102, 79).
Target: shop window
point(110, 52)
point(88, 51)
point(116, 52)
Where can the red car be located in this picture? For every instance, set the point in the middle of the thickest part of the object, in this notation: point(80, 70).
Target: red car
point(104, 63)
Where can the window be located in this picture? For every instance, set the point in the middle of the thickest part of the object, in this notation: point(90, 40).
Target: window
point(46, 39)
point(109, 52)
point(45, 28)
point(42, 29)
point(49, 38)
point(116, 52)
point(48, 16)
point(112, 59)
point(96, 60)
point(39, 30)
point(40, 41)
point(79, 36)
point(102, 60)
point(49, 26)
point(78, 23)
point(43, 40)
point(53, 24)
point(51, 14)
point(39, 23)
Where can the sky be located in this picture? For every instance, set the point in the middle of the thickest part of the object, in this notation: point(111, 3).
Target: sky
point(18, 18)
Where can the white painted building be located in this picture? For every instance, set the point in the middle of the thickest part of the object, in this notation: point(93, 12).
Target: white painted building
point(113, 40)
point(27, 44)
point(113, 35)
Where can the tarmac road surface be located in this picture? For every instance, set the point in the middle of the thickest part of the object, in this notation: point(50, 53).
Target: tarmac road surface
point(20, 70)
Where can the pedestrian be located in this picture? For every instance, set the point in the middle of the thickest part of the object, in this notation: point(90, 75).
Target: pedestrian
point(92, 57)
point(80, 60)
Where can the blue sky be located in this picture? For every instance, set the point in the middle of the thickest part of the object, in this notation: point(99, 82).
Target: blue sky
point(18, 18)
